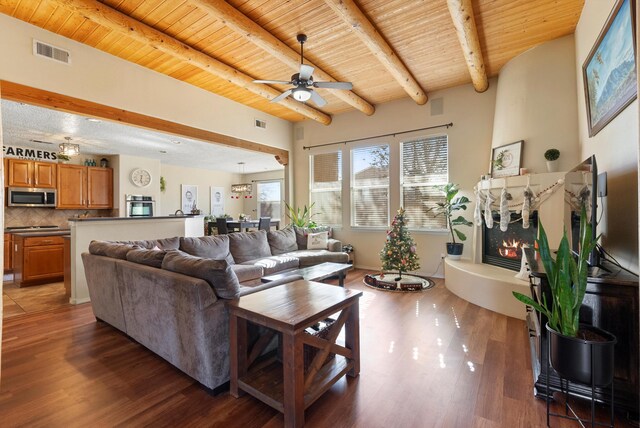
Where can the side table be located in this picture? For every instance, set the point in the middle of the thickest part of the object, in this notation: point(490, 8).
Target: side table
point(289, 309)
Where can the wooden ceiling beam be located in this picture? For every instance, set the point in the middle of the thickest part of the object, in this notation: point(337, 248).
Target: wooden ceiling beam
point(463, 20)
point(349, 11)
point(127, 26)
point(247, 28)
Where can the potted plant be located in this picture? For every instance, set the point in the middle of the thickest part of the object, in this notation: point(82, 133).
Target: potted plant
point(447, 208)
point(552, 156)
point(300, 217)
point(571, 344)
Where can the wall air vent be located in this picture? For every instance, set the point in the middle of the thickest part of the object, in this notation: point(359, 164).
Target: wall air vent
point(260, 124)
point(51, 52)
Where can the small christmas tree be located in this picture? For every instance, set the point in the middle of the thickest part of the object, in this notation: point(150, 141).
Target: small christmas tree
point(399, 252)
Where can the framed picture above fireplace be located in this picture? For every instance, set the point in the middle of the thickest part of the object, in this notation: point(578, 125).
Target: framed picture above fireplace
point(506, 160)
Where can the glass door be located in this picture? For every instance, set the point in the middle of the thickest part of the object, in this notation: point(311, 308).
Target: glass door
point(270, 199)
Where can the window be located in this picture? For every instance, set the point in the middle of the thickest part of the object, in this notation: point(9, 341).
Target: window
point(269, 197)
point(424, 168)
point(326, 187)
point(370, 186)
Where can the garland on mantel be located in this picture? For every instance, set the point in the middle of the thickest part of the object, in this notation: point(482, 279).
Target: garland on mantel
point(530, 202)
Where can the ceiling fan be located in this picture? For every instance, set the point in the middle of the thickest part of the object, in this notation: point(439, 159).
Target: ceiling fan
point(303, 82)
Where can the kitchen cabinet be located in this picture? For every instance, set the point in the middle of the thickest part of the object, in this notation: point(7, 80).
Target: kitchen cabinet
point(26, 173)
point(8, 252)
point(38, 259)
point(84, 187)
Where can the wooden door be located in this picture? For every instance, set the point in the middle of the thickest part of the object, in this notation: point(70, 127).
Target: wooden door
point(72, 187)
point(20, 173)
point(43, 263)
point(100, 187)
point(44, 174)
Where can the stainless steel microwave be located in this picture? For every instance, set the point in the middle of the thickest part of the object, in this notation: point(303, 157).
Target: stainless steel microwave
point(31, 197)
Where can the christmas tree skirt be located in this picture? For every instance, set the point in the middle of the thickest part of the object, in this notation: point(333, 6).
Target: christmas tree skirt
point(388, 282)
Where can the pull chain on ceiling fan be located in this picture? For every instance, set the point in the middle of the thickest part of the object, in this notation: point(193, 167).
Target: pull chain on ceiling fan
point(303, 82)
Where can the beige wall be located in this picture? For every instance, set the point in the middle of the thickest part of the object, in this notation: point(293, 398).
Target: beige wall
point(123, 166)
point(536, 102)
point(469, 152)
point(615, 147)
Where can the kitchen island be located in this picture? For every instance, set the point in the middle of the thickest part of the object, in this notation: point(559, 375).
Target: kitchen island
point(85, 230)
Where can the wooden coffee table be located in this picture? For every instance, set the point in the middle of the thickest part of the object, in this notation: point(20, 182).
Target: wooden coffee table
point(314, 273)
point(289, 309)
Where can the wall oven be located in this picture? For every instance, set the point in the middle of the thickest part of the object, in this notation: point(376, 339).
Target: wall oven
point(139, 205)
point(31, 197)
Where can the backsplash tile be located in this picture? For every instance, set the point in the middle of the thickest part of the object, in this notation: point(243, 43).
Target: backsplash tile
point(22, 216)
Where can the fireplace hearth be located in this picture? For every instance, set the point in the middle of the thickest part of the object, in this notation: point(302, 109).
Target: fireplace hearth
point(504, 249)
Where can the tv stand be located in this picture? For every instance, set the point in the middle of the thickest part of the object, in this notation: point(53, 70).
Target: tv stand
point(610, 303)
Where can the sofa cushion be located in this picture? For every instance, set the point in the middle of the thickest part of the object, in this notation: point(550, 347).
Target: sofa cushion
point(247, 272)
point(314, 257)
point(168, 243)
point(146, 257)
point(282, 241)
point(217, 273)
point(302, 232)
point(114, 250)
point(209, 247)
point(246, 246)
point(275, 264)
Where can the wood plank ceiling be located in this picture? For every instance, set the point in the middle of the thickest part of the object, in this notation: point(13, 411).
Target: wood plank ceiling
point(190, 41)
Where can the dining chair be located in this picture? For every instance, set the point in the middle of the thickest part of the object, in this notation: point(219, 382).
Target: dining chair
point(221, 224)
point(264, 223)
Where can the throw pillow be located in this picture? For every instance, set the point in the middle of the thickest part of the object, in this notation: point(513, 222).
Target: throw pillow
point(217, 273)
point(302, 232)
point(317, 241)
point(282, 241)
point(146, 257)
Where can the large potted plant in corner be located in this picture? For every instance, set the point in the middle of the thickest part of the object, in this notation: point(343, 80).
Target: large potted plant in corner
point(571, 344)
point(447, 208)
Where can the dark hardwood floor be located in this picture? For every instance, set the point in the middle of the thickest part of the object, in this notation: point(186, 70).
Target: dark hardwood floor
point(429, 359)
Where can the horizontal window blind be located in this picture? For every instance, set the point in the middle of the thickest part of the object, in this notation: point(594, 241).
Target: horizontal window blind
point(424, 170)
point(326, 187)
point(370, 186)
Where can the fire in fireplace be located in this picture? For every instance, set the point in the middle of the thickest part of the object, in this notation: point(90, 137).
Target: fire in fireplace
point(504, 249)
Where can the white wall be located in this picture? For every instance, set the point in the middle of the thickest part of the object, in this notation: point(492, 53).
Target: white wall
point(615, 147)
point(175, 176)
point(123, 166)
point(469, 152)
point(536, 102)
point(100, 77)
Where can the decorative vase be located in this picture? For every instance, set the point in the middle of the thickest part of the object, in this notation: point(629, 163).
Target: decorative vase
point(571, 356)
point(552, 166)
point(454, 250)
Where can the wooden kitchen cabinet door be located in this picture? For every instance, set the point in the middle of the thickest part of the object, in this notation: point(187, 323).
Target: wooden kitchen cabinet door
point(20, 173)
point(72, 188)
point(100, 187)
point(43, 263)
point(44, 175)
point(8, 252)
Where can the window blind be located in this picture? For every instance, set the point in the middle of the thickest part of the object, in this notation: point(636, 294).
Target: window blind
point(424, 169)
point(370, 186)
point(326, 187)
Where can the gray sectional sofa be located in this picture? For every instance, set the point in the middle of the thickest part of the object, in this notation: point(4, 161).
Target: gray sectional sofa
point(169, 294)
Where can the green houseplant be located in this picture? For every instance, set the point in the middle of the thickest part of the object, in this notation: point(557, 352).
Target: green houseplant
point(300, 217)
point(571, 344)
point(552, 156)
point(448, 208)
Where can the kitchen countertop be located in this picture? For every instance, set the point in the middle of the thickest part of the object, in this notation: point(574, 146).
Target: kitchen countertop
point(55, 232)
point(136, 218)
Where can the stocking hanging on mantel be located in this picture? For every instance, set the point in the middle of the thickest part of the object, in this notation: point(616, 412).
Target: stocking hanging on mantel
point(526, 206)
point(488, 217)
point(477, 212)
point(504, 209)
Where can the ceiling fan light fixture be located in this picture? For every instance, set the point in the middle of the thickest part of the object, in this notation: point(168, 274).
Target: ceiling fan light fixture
point(301, 94)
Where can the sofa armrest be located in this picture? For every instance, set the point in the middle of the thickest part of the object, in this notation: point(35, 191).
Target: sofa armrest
point(334, 245)
point(244, 290)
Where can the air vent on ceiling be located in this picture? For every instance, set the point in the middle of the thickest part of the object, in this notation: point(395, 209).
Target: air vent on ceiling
point(260, 124)
point(49, 51)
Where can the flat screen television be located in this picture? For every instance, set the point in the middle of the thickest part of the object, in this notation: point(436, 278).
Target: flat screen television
point(581, 189)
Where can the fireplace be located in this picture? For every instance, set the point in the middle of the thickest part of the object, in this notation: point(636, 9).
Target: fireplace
point(504, 249)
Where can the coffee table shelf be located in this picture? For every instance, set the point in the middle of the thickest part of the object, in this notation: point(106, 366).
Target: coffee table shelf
point(266, 383)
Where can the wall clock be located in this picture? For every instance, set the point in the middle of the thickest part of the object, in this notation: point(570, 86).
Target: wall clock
point(141, 177)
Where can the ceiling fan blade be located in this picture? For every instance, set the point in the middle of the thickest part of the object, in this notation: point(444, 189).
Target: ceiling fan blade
point(272, 82)
point(282, 96)
point(317, 99)
point(305, 71)
point(333, 85)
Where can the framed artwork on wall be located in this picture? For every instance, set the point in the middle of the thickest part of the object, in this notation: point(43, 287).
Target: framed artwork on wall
point(189, 198)
point(506, 160)
point(217, 201)
point(609, 72)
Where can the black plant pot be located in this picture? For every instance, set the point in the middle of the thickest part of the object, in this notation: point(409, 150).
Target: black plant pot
point(454, 250)
point(571, 356)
